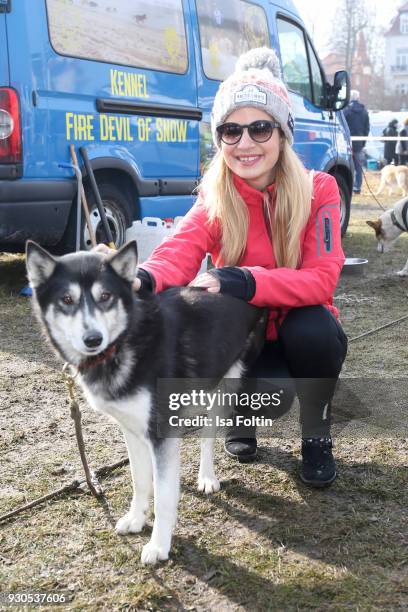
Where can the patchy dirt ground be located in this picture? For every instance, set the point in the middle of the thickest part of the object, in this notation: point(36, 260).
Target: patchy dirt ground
point(264, 542)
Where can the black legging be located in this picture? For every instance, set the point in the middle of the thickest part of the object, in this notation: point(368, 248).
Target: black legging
point(307, 359)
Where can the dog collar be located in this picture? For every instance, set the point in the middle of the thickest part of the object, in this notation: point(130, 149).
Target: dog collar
point(98, 359)
point(404, 219)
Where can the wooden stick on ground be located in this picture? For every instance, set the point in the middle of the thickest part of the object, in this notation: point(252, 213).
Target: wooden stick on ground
point(83, 199)
point(76, 484)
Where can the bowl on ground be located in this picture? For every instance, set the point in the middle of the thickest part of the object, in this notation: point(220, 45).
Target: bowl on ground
point(355, 266)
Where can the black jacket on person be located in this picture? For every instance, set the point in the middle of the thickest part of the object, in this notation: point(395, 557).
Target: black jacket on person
point(402, 147)
point(358, 121)
point(389, 145)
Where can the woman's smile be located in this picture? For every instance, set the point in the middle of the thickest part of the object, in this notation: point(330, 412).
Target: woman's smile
point(249, 160)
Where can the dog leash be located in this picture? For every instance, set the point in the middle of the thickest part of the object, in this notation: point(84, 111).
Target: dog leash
point(91, 477)
point(376, 329)
point(368, 186)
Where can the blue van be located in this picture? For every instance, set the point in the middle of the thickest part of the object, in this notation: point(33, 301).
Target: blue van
point(133, 82)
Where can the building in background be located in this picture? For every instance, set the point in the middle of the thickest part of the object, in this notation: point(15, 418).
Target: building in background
point(361, 72)
point(396, 58)
point(362, 69)
point(332, 63)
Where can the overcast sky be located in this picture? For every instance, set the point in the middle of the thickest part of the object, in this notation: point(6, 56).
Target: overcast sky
point(318, 14)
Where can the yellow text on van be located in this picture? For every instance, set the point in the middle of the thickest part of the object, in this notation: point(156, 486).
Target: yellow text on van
point(171, 130)
point(79, 126)
point(115, 128)
point(128, 84)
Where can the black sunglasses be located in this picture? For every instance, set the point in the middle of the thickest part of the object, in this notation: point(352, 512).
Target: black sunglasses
point(259, 131)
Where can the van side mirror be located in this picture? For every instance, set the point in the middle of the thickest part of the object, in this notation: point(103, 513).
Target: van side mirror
point(339, 95)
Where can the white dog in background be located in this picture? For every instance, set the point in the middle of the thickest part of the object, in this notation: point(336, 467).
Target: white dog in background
point(394, 176)
point(390, 225)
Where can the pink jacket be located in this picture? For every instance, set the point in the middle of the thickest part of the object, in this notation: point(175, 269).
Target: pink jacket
point(177, 260)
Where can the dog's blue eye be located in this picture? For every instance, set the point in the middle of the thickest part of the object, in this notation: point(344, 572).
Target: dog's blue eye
point(67, 299)
point(105, 296)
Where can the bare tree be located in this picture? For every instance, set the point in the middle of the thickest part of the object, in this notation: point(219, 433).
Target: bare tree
point(351, 18)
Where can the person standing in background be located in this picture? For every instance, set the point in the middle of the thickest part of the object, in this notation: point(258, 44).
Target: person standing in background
point(402, 146)
point(359, 125)
point(390, 155)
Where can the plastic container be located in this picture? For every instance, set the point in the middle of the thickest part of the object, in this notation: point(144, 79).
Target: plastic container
point(148, 233)
point(372, 164)
point(152, 231)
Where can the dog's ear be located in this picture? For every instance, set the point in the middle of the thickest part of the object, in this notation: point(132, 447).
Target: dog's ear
point(376, 225)
point(124, 262)
point(40, 264)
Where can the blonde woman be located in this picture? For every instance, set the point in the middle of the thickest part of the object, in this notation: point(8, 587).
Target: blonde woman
point(273, 231)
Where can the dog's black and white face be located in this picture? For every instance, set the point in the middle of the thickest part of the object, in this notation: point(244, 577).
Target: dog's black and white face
point(83, 299)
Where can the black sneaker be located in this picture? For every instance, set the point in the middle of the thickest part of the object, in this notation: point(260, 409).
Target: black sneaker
point(318, 466)
point(243, 449)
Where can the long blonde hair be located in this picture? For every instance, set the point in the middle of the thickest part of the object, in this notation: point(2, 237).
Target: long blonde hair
point(293, 202)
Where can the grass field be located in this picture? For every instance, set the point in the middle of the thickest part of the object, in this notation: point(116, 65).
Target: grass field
point(265, 541)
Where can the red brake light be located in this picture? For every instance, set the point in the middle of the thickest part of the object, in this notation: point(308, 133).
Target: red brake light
point(10, 127)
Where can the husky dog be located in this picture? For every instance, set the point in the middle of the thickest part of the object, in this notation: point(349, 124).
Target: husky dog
point(121, 343)
point(394, 176)
point(391, 224)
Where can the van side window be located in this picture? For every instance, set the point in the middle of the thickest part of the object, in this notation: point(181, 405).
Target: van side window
point(227, 29)
point(317, 80)
point(294, 58)
point(147, 35)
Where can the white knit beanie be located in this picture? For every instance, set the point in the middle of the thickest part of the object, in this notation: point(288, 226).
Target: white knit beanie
point(255, 82)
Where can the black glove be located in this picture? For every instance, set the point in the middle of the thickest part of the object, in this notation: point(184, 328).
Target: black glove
point(148, 284)
point(235, 281)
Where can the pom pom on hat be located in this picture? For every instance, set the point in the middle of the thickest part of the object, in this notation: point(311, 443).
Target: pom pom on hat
point(256, 82)
point(260, 58)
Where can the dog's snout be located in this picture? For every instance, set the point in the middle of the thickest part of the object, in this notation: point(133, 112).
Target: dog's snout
point(92, 339)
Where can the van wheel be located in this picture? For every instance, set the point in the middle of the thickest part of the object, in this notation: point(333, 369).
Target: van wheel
point(118, 214)
point(345, 202)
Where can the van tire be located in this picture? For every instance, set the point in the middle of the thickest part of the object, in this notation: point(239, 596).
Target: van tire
point(345, 202)
point(117, 209)
point(118, 212)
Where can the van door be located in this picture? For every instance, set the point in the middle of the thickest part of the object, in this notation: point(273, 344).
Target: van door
point(315, 140)
point(321, 139)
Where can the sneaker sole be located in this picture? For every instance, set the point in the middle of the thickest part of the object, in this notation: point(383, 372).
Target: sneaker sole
point(242, 458)
point(318, 484)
